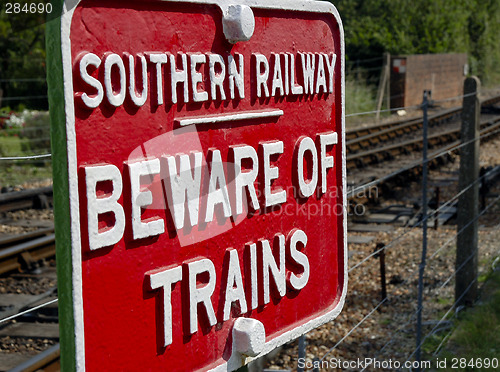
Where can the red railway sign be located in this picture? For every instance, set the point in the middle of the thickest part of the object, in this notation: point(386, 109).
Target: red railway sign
point(201, 179)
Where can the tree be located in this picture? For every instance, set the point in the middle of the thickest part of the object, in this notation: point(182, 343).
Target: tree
point(22, 56)
point(425, 26)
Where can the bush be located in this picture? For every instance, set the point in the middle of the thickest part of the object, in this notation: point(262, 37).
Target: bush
point(36, 130)
point(359, 98)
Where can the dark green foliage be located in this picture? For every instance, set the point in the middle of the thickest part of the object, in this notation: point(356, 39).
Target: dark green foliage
point(22, 56)
point(37, 132)
point(425, 26)
point(477, 337)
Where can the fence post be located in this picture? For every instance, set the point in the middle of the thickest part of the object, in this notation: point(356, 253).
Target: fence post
point(384, 84)
point(302, 351)
point(425, 107)
point(468, 203)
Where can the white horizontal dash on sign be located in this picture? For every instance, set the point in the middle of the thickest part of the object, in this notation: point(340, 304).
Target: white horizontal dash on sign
point(222, 118)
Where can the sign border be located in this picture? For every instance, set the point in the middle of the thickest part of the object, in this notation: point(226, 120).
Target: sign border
point(66, 198)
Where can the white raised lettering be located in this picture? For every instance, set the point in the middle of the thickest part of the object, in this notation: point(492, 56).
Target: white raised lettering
point(252, 252)
point(186, 182)
point(217, 80)
point(306, 189)
point(272, 173)
point(165, 279)
point(298, 281)
point(325, 140)
point(234, 286)
point(197, 77)
point(217, 189)
point(262, 76)
point(158, 59)
point(245, 179)
point(277, 82)
point(90, 59)
point(236, 78)
point(114, 60)
point(179, 77)
point(287, 74)
point(201, 294)
point(100, 205)
point(295, 88)
point(330, 64)
point(141, 199)
point(270, 267)
point(141, 99)
point(321, 77)
point(308, 62)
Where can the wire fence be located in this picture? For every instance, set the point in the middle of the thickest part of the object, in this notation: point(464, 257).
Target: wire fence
point(443, 324)
point(27, 311)
point(445, 283)
point(388, 245)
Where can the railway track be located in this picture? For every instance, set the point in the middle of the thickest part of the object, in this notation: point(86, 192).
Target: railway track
point(23, 251)
point(30, 198)
point(375, 156)
point(47, 361)
point(366, 147)
point(361, 138)
point(29, 315)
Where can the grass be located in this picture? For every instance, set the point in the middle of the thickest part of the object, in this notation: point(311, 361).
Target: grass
point(445, 301)
point(16, 175)
point(477, 333)
point(360, 97)
point(10, 146)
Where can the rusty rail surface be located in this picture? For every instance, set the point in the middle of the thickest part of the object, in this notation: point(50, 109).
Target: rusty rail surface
point(34, 246)
point(362, 138)
point(24, 255)
point(375, 156)
point(357, 140)
point(47, 361)
point(30, 198)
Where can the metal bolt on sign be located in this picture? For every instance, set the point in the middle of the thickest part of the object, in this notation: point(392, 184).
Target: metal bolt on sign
point(238, 23)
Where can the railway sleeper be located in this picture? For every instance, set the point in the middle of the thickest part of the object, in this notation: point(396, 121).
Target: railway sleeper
point(405, 151)
point(28, 261)
point(434, 164)
point(392, 153)
point(11, 264)
point(375, 158)
point(384, 137)
point(42, 202)
point(353, 148)
point(359, 163)
point(366, 143)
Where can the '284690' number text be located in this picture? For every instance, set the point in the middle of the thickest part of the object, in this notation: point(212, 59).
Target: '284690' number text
point(31, 8)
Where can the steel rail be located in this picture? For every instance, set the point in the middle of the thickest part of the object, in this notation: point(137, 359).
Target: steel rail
point(47, 360)
point(25, 254)
point(9, 240)
point(359, 138)
point(12, 201)
point(373, 130)
point(375, 156)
